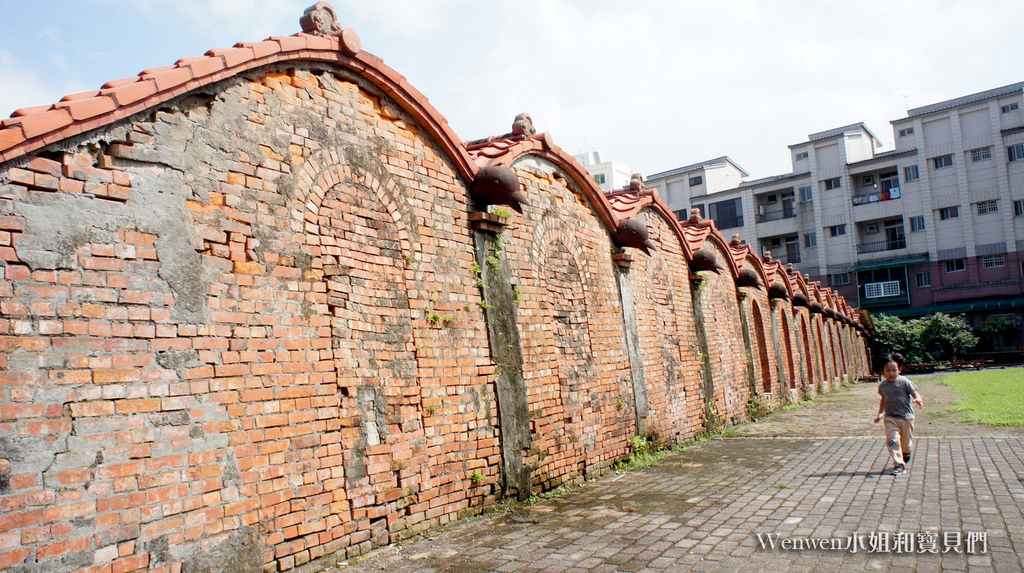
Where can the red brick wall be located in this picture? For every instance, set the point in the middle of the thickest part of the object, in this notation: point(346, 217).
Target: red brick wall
point(727, 351)
point(570, 317)
point(253, 316)
point(664, 309)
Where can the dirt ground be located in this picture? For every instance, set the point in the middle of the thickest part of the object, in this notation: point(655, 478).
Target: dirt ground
point(850, 411)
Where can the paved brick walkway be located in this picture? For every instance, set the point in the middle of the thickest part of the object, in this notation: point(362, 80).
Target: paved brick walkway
point(703, 509)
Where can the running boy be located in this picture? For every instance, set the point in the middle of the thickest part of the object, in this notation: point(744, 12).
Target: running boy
point(897, 393)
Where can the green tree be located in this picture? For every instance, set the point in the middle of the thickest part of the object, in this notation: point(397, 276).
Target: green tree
point(943, 337)
point(932, 338)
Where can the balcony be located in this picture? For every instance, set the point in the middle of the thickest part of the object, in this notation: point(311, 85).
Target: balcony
point(786, 259)
point(1006, 287)
point(882, 246)
point(776, 215)
point(876, 197)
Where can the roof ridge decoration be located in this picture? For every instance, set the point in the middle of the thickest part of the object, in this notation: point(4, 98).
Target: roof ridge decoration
point(696, 231)
point(742, 254)
point(322, 39)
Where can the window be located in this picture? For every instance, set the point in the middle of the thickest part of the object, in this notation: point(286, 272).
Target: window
point(1015, 152)
point(1022, 268)
point(906, 132)
point(986, 207)
point(805, 195)
point(599, 178)
point(682, 214)
point(837, 230)
point(773, 198)
point(911, 173)
point(801, 155)
point(694, 181)
point(1018, 207)
point(877, 290)
point(1008, 108)
point(726, 214)
point(949, 213)
point(834, 183)
point(840, 279)
point(981, 154)
point(956, 265)
point(810, 239)
point(993, 261)
point(942, 161)
point(917, 223)
point(924, 280)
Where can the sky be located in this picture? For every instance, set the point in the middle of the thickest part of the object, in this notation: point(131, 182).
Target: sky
point(651, 84)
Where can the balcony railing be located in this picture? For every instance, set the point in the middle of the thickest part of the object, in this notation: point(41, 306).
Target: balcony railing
point(876, 197)
point(785, 259)
point(776, 215)
point(880, 246)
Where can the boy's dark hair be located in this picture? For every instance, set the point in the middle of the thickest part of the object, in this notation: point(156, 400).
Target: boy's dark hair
point(894, 357)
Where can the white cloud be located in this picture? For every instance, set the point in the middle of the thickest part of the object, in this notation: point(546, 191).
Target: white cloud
point(25, 88)
point(655, 84)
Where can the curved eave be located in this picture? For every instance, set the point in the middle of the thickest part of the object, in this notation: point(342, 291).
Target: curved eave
point(32, 129)
point(541, 145)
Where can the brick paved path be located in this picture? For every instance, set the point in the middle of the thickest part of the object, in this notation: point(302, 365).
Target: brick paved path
point(702, 510)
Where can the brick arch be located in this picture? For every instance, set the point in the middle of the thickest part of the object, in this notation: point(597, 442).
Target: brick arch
point(361, 242)
point(551, 229)
point(808, 355)
point(816, 325)
point(787, 348)
point(562, 408)
point(329, 168)
point(762, 347)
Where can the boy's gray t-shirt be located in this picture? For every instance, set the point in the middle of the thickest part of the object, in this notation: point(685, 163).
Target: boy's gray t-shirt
point(897, 397)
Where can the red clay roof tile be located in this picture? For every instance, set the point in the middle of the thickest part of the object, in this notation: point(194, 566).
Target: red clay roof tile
point(86, 108)
point(232, 56)
point(41, 123)
point(261, 49)
point(82, 95)
point(201, 66)
point(26, 111)
point(10, 136)
point(131, 92)
point(167, 77)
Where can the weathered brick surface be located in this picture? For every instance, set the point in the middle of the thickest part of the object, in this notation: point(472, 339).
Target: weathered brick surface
point(664, 307)
point(727, 351)
point(250, 319)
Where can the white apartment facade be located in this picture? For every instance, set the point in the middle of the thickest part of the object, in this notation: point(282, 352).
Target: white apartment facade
point(609, 175)
point(935, 225)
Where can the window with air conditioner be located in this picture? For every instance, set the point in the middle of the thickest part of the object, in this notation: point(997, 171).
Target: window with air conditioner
point(879, 290)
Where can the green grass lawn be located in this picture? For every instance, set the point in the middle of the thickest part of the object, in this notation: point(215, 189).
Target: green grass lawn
point(994, 397)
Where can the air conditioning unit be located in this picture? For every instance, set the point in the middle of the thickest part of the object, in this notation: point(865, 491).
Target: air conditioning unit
point(868, 180)
point(871, 228)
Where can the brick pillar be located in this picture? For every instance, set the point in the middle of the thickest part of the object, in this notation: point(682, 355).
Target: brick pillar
point(507, 354)
point(636, 363)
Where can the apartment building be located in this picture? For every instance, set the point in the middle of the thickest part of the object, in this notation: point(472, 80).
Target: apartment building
point(937, 224)
point(609, 175)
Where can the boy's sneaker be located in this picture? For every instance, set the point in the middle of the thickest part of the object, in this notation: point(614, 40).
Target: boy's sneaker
point(898, 470)
point(906, 458)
